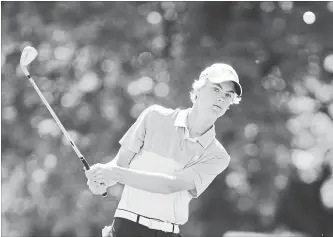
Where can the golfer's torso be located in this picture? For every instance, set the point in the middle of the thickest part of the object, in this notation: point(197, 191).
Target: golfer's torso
point(164, 151)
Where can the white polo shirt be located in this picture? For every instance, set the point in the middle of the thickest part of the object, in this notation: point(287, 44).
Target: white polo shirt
point(161, 140)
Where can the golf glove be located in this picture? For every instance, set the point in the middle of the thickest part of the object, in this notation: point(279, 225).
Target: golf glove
point(96, 188)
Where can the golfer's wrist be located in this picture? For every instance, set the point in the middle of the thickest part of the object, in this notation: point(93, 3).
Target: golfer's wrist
point(111, 183)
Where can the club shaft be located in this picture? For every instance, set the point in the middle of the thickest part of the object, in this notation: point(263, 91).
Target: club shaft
point(77, 151)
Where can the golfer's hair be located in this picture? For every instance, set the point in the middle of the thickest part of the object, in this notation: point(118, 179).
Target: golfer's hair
point(200, 83)
point(196, 86)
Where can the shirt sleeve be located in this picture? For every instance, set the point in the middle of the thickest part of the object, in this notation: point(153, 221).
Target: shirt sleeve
point(133, 139)
point(204, 172)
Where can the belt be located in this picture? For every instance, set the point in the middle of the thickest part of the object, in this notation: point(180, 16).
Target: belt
point(151, 223)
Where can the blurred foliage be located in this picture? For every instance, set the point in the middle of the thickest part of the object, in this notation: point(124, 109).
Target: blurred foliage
point(101, 63)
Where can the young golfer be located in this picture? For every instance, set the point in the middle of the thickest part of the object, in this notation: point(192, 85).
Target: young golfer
point(167, 157)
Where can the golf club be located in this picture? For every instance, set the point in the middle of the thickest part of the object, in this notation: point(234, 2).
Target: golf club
point(28, 55)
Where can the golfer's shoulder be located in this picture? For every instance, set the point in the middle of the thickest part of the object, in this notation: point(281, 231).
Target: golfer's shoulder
point(219, 150)
point(158, 110)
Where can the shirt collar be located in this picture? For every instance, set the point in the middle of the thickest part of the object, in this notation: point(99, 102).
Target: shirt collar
point(205, 139)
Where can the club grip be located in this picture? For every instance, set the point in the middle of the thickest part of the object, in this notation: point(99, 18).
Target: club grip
point(87, 167)
point(85, 163)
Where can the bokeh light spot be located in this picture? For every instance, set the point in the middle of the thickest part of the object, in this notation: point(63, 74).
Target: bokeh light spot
point(144, 58)
point(59, 35)
point(39, 176)
point(326, 192)
point(158, 43)
point(308, 176)
point(85, 142)
point(110, 111)
point(266, 208)
point(161, 89)
point(50, 161)
point(154, 18)
point(328, 63)
point(9, 113)
point(251, 131)
point(320, 123)
point(70, 99)
point(302, 104)
point(170, 15)
point(63, 53)
point(286, 6)
point(330, 6)
point(108, 65)
point(235, 179)
point(48, 126)
point(303, 160)
point(89, 82)
point(304, 140)
point(309, 17)
point(267, 6)
point(140, 86)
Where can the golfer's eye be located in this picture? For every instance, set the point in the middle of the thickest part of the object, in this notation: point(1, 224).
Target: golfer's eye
point(216, 89)
point(228, 96)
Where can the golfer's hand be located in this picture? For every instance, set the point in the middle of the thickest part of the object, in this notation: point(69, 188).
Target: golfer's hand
point(96, 188)
point(103, 174)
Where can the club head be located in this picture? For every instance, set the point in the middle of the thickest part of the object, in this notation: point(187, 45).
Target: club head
point(28, 55)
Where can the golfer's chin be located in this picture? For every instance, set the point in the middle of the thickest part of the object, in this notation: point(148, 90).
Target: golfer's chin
point(218, 111)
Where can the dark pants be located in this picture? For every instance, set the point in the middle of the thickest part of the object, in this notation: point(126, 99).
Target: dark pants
point(125, 228)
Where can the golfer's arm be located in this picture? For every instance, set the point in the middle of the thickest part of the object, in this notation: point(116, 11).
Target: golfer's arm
point(123, 158)
point(152, 182)
point(147, 181)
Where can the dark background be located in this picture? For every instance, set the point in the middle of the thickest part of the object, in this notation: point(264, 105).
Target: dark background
point(101, 63)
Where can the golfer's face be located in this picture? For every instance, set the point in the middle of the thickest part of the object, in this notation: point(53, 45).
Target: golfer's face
point(216, 98)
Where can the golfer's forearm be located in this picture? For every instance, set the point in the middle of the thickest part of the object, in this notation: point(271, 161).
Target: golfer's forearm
point(118, 162)
point(150, 182)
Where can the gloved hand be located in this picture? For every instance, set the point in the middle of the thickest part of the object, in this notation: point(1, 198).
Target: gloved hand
point(97, 188)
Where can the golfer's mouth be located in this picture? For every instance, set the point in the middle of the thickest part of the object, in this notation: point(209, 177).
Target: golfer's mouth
point(218, 106)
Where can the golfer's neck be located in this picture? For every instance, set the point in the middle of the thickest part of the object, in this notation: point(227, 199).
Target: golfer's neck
point(198, 122)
